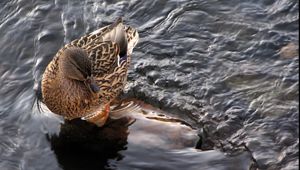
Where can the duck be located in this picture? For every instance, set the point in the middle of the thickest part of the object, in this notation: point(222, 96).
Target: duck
point(87, 74)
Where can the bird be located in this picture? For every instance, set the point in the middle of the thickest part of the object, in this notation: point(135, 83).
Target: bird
point(87, 74)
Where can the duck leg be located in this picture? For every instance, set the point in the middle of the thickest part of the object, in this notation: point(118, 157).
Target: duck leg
point(101, 118)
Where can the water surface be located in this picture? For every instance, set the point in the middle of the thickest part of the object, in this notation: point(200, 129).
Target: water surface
point(214, 64)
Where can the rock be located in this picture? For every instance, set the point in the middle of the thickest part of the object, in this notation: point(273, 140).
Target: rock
point(291, 50)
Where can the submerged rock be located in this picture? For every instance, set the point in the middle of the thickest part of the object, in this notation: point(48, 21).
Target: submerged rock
point(291, 50)
point(137, 136)
point(139, 124)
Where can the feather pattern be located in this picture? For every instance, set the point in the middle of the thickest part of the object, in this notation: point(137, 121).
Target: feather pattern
point(109, 51)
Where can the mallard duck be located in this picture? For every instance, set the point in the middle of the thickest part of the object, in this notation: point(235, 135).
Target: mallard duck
point(86, 75)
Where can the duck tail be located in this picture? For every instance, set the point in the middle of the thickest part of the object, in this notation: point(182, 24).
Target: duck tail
point(118, 35)
point(116, 23)
point(132, 38)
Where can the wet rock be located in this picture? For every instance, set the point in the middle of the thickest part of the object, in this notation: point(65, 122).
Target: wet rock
point(291, 50)
point(167, 83)
point(153, 76)
point(135, 132)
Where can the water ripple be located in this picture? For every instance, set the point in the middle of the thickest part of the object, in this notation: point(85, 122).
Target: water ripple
point(216, 64)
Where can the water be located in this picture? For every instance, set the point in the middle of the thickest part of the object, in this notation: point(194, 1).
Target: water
point(214, 64)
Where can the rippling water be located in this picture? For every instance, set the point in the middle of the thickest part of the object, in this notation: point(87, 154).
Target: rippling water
point(215, 64)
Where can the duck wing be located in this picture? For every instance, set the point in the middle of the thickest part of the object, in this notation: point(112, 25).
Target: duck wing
point(106, 47)
point(105, 58)
point(112, 84)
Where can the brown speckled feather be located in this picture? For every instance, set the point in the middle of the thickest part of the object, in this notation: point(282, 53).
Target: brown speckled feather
point(104, 58)
point(70, 98)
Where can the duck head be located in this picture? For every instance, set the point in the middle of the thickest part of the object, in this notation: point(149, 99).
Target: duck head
point(75, 64)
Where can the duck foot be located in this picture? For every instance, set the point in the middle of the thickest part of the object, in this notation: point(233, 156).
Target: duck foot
point(100, 118)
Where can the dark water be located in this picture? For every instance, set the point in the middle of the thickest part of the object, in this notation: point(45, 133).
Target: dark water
point(215, 64)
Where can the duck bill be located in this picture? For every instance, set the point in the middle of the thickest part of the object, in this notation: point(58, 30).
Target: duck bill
point(92, 85)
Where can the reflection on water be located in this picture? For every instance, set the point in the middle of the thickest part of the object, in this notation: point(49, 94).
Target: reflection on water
point(230, 67)
point(81, 145)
